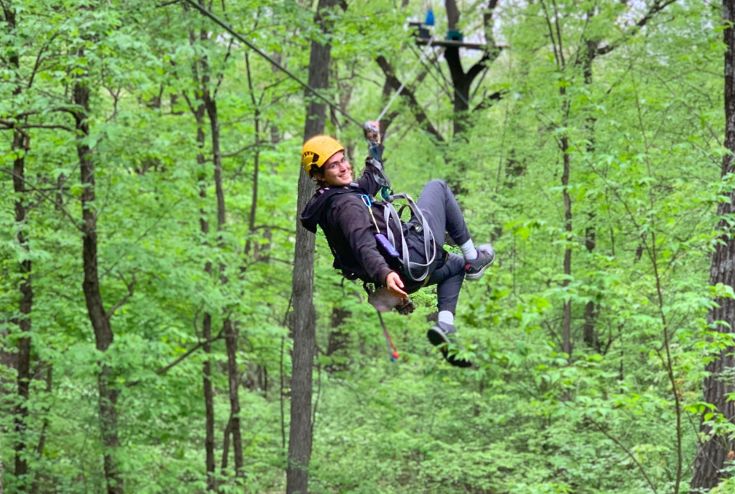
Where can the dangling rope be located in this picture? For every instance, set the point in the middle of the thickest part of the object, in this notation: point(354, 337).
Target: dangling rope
point(392, 350)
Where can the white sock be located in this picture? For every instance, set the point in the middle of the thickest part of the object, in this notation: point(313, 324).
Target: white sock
point(469, 251)
point(446, 317)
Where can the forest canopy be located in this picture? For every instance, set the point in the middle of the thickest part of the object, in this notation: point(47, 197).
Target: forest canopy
point(152, 310)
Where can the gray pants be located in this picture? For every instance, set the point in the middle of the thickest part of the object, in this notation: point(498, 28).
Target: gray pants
point(443, 215)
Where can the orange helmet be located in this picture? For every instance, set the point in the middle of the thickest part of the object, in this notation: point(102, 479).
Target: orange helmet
point(318, 150)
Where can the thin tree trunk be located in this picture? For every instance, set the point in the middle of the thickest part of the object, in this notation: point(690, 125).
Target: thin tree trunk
point(589, 328)
point(718, 385)
point(208, 400)
point(256, 159)
point(589, 331)
point(303, 316)
point(555, 36)
point(229, 328)
point(207, 386)
point(108, 394)
point(567, 311)
point(225, 449)
point(20, 147)
point(230, 333)
point(44, 428)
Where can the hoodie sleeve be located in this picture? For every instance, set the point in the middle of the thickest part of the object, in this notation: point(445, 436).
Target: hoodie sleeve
point(357, 226)
point(371, 177)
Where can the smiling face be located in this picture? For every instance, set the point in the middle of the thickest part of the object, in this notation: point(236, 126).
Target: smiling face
point(337, 170)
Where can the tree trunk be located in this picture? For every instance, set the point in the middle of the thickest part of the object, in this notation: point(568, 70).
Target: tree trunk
point(567, 311)
point(207, 385)
point(35, 487)
point(256, 160)
point(303, 316)
point(228, 327)
point(108, 394)
point(589, 329)
point(208, 388)
point(556, 38)
point(208, 400)
point(234, 427)
point(20, 147)
point(718, 385)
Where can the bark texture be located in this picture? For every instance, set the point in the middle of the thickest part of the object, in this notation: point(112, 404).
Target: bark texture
point(712, 454)
point(108, 393)
point(199, 111)
point(20, 146)
point(303, 316)
point(207, 386)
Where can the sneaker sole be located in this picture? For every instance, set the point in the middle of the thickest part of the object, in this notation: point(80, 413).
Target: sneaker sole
point(436, 337)
point(458, 362)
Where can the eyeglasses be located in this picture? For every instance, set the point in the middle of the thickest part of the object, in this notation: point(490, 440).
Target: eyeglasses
point(342, 161)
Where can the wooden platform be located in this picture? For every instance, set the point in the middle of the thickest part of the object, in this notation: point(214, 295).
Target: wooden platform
point(449, 43)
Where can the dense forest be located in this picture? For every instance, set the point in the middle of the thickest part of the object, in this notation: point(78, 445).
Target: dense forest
point(167, 326)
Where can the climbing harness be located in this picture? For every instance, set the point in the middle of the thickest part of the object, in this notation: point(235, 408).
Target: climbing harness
point(381, 298)
point(388, 243)
point(385, 246)
point(421, 226)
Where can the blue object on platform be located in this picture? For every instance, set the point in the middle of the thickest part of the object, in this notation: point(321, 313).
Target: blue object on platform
point(429, 18)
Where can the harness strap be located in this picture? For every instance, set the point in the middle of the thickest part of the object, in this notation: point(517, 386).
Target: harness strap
point(410, 266)
point(372, 134)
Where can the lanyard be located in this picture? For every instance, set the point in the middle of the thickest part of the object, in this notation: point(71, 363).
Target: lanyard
point(368, 201)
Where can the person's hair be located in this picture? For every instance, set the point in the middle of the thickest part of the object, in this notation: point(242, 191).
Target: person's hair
point(317, 174)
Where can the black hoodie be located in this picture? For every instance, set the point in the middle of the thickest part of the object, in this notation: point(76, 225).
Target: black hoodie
point(345, 220)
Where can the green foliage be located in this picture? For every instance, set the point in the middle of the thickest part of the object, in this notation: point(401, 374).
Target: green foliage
point(644, 146)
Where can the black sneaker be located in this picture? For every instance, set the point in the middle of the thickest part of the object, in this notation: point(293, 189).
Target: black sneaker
point(440, 333)
point(474, 268)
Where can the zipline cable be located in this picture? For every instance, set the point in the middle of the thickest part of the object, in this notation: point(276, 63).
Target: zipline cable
point(257, 50)
point(403, 85)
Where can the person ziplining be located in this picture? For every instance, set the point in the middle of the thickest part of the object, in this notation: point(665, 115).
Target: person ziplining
point(398, 258)
point(370, 242)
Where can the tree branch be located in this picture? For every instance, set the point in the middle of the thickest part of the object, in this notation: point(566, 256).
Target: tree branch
point(476, 69)
point(12, 124)
point(45, 196)
point(39, 57)
point(407, 93)
point(221, 75)
point(489, 100)
point(655, 8)
point(193, 349)
point(627, 452)
point(124, 299)
point(242, 150)
point(163, 370)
